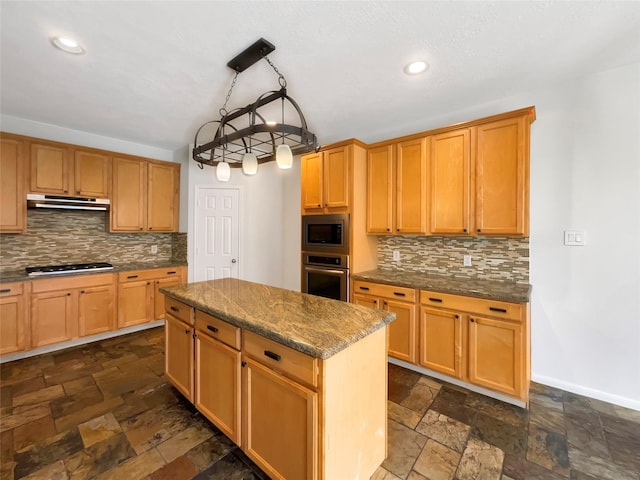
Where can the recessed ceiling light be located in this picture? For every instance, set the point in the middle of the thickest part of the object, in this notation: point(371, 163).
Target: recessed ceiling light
point(68, 45)
point(414, 68)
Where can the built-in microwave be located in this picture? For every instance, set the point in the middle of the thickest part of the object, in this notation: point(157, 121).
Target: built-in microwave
point(326, 233)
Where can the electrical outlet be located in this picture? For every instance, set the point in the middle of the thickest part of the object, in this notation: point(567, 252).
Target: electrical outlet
point(466, 260)
point(154, 249)
point(396, 255)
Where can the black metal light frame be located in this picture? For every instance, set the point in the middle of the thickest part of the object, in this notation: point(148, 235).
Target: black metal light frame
point(231, 142)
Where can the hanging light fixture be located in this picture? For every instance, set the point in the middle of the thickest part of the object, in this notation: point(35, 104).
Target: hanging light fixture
point(261, 141)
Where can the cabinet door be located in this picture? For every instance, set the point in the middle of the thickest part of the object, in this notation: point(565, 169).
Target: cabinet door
point(441, 341)
point(217, 392)
point(311, 172)
point(163, 199)
point(50, 169)
point(179, 355)
point(501, 178)
point(53, 317)
point(411, 185)
point(96, 310)
point(450, 177)
point(280, 419)
point(12, 328)
point(365, 300)
point(129, 195)
point(91, 174)
point(13, 207)
point(380, 190)
point(336, 177)
point(158, 298)
point(135, 303)
point(402, 331)
point(495, 354)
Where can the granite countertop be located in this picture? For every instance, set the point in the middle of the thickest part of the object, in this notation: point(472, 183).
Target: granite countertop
point(21, 276)
point(317, 326)
point(493, 290)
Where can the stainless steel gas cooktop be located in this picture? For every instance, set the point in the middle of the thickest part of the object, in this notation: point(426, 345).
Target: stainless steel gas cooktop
point(70, 268)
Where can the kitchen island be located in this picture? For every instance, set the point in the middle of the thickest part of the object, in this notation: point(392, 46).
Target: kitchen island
point(299, 382)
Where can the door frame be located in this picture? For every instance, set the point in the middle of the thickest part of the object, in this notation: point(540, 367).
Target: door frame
point(191, 245)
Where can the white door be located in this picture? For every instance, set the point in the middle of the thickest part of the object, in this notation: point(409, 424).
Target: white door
point(216, 232)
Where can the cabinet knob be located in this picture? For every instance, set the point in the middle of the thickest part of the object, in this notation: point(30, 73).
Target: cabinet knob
point(150, 228)
point(187, 332)
point(478, 230)
point(464, 230)
point(384, 303)
point(65, 191)
point(68, 294)
point(81, 291)
point(244, 364)
point(397, 229)
point(319, 205)
point(388, 229)
point(78, 192)
point(472, 320)
point(140, 228)
point(148, 283)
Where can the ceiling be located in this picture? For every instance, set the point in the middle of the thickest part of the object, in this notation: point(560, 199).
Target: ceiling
point(154, 71)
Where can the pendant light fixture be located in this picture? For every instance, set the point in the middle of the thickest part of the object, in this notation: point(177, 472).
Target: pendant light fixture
point(261, 141)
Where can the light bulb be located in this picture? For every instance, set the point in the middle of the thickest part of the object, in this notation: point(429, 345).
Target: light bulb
point(284, 157)
point(223, 172)
point(250, 164)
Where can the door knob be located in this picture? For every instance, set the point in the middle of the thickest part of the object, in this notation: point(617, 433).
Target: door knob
point(233, 260)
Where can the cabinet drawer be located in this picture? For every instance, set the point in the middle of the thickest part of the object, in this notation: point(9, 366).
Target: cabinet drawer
point(218, 329)
point(152, 274)
point(281, 358)
point(67, 283)
point(179, 310)
point(481, 306)
point(11, 289)
point(387, 291)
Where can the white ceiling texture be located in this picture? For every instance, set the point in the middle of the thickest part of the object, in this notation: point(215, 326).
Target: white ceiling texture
point(154, 71)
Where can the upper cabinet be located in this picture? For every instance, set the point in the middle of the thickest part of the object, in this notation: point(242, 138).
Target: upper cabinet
point(13, 208)
point(326, 181)
point(61, 170)
point(145, 195)
point(397, 188)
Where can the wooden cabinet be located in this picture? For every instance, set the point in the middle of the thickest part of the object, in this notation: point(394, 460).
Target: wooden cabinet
point(13, 320)
point(294, 415)
point(397, 188)
point(65, 308)
point(479, 179)
point(13, 206)
point(139, 298)
point(217, 371)
point(179, 354)
point(145, 195)
point(403, 331)
point(484, 342)
point(326, 180)
point(60, 169)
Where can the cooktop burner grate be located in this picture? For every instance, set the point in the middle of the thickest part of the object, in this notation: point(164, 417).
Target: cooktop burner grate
point(70, 268)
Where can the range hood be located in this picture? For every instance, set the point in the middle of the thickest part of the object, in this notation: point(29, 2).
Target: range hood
point(37, 200)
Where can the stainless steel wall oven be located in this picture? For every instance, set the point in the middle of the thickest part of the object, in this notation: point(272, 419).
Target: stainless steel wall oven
point(326, 275)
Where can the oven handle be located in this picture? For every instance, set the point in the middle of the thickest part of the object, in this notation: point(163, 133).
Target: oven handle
point(325, 270)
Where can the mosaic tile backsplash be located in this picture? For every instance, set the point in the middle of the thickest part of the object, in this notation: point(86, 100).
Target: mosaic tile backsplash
point(492, 258)
point(65, 236)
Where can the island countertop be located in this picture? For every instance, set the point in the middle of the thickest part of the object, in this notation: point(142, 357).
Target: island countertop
point(317, 326)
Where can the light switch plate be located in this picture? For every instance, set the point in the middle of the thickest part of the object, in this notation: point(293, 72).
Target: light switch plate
point(574, 238)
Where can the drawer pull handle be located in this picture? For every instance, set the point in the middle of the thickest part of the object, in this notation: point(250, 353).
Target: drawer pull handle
point(400, 294)
point(172, 273)
point(132, 276)
point(364, 288)
point(212, 328)
point(174, 309)
point(496, 309)
point(272, 355)
point(433, 299)
point(5, 290)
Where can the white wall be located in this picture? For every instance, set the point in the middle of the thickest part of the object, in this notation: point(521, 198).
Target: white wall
point(269, 211)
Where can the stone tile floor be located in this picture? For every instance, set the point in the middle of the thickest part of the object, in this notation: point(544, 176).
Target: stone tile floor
point(105, 411)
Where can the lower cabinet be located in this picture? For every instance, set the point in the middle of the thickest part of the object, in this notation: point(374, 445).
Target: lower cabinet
point(403, 331)
point(139, 298)
point(295, 416)
point(67, 308)
point(13, 319)
point(441, 341)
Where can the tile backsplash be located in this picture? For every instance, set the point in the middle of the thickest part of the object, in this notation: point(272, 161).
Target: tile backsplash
point(65, 236)
point(492, 258)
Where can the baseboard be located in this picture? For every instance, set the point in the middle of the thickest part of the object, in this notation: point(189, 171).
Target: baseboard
point(587, 392)
point(460, 383)
point(80, 341)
